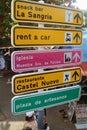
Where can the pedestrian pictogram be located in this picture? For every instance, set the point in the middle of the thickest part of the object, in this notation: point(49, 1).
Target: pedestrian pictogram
point(24, 83)
point(28, 11)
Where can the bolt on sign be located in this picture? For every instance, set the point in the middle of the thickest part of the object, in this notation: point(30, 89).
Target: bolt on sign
point(45, 99)
point(34, 36)
point(24, 83)
point(27, 11)
point(23, 61)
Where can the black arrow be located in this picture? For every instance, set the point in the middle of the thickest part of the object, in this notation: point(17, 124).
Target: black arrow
point(75, 75)
point(77, 17)
point(76, 37)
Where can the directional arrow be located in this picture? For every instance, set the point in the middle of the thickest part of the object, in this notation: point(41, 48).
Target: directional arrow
point(75, 75)
point(77, 17)
point(76, 37)
point(76, 57)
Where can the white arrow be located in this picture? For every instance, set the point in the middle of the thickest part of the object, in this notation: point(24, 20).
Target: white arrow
point(76, 56)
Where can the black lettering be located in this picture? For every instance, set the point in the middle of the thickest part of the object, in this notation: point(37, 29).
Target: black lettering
point(35, 37)
point(19, 87)
point(29, 14)
point(43, 83)
point(25, 7)
point(51, 82)
point(24, 37)
point(39, 16)
point(38, 9)
point(20, 14)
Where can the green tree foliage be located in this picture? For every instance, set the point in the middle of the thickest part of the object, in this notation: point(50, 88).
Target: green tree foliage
point(5, 13)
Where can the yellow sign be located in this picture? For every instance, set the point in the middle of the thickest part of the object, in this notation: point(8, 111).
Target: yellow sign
point(24, 83)
point(29, 36)
point(26, 11)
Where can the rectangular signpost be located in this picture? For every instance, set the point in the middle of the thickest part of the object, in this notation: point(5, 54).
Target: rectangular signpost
point(26, 11)
point(24, 83)
point(22, 61)
point(24, 36)
point(36, 101)
point(33, 36)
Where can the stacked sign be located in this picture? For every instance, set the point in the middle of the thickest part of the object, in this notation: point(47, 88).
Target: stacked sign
point(23, 61)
